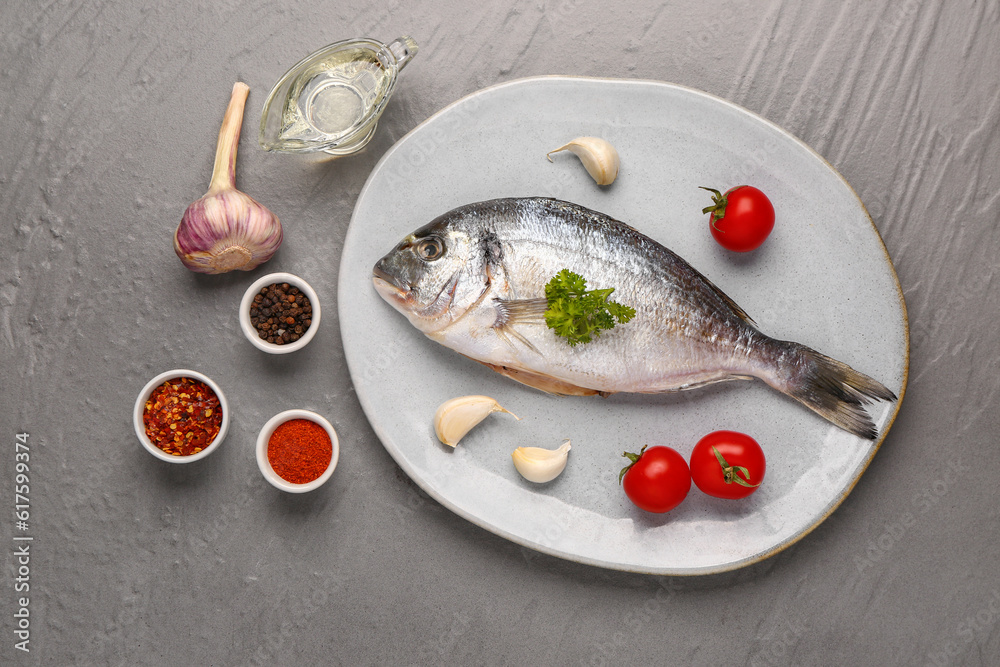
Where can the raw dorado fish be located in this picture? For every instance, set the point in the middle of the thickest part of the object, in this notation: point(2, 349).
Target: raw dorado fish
point(474, 280)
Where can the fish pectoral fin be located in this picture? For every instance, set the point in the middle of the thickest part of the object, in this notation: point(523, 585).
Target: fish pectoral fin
point(521, 311)
point(518, 311)
point(506, 332)
point(546, 383)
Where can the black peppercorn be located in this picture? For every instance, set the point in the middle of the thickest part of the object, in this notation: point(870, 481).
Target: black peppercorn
point(280, 313)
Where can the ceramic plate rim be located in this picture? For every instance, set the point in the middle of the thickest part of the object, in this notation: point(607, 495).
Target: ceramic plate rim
point(414, 475)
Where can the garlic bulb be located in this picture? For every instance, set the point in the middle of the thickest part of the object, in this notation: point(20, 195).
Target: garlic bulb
point(541, 465)
point(598, 156)
point(227, 229)
point(458, 416)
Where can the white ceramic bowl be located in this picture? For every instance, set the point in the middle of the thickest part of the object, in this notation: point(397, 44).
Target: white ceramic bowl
point(251, 333)
point(265, 436)
point(140, 406)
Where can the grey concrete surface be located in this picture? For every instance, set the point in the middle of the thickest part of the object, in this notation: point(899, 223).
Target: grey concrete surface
point(109, 118)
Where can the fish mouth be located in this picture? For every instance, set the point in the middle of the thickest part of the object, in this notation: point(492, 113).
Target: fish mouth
point(381, 274)
point(386, 285)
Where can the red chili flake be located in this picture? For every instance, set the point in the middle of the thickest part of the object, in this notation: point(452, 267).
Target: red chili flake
point(182, 416)
point(299, 451)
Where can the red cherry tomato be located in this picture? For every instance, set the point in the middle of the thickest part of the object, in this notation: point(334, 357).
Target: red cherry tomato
point(727, 464)
point(741, 218)
point(656, 480)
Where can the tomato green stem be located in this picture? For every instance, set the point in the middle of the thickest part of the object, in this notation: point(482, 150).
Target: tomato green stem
point(729, 475)
point(718, 207)
point(717, 197)
point(634, 458)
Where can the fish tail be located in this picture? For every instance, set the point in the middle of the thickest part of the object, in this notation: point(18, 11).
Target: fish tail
point(832, 389)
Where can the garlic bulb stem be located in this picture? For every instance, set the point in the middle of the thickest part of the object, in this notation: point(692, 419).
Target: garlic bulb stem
point(227, 229)
point(224, 171)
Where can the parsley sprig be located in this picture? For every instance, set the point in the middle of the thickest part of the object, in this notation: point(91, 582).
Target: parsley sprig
point(578, 314)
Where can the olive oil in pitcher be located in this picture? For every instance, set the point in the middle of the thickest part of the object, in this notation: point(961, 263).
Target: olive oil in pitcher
point(332, 100)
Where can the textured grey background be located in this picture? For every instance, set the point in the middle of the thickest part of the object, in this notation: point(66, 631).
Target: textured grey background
point(109, 117)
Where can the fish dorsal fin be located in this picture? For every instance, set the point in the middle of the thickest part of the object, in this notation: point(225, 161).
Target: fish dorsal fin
point(735, 307)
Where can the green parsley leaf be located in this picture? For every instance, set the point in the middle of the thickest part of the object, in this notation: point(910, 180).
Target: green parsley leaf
point(579, 315)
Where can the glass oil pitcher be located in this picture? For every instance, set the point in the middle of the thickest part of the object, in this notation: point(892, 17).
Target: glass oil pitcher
point(331, 100)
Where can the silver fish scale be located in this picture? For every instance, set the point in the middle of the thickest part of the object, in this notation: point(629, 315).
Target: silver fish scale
point(456, 277)
point(683, 334)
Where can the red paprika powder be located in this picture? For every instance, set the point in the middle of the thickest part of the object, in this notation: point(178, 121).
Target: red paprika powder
point(299, 450)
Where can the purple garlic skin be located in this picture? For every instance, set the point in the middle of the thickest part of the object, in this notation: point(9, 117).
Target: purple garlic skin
point(227, 229)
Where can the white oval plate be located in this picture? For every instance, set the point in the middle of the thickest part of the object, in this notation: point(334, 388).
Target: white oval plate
point(823, 278)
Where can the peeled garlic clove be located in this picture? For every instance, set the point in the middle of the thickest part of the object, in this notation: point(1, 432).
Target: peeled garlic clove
point(458, 416)
point(598, 156)
point(227, 229)
point(540, 465)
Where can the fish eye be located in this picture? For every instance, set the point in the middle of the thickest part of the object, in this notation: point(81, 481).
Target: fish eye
point(430, 248)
